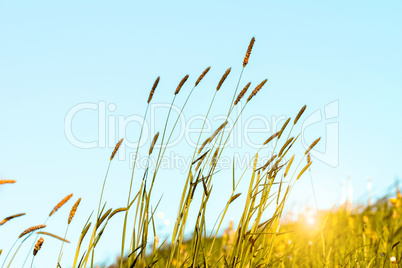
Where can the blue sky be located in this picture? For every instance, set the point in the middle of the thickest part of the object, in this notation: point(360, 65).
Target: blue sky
point(56, 55)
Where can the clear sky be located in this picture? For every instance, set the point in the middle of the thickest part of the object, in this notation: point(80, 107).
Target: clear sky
point(55, 55)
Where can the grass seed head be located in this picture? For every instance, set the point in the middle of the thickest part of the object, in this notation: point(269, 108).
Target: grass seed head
point(225, 75)
point(299, 114)
point(218, 130)
point(213, 161)
point(60, 204)
point(73, 210)
point(312, 145)
point(32, 229)
point(181, 84)
point(116, 148)
point(11, 217)
point(283, 128)
point(271, 138)
point(288, 166)
point(256, 90)
point(285, 145)
point(202, 76)
point(38, 245)
point(153, 143)
point(248, 53)
point(303, 170)
point(7, 181)
point(241, 94)
point(151, 94)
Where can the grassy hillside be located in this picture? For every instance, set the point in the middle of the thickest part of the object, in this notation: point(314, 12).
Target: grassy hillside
point(362, 237)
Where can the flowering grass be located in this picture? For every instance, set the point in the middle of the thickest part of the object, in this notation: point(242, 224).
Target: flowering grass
point(260, 238)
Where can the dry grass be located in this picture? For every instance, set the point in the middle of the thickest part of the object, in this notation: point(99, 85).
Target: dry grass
point(153, 143)
point(299, 114)
point(60, 204)
point(38, 246)
point(73, 210)
point(224, 76)
point(242, 92)
point(202, 76)
point(283, 128)
point(54, 236)
point(151, 94)
point(7, 181)
point(256, 90)
point(11, 217)
point(248, 53)
point(116, 148)
point(117, 210)
point(32, 229)
point(312, 145)
point(181, 84)
point(246, 246)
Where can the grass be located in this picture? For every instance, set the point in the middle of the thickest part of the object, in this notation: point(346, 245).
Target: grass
point(342, 238)
point(366, 236)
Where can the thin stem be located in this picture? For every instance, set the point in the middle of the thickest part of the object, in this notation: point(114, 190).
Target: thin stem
point(9, 252)
point(312, 187)
point(135, 159)
point(174, 126)
point(159, 155)
point(231, 107)
point(129, 192)
point(230, 110)
point(177, 223)
point(33, 244)
point(97, 217)
point(15, 253)
point(62, 244)
point(31, 261)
